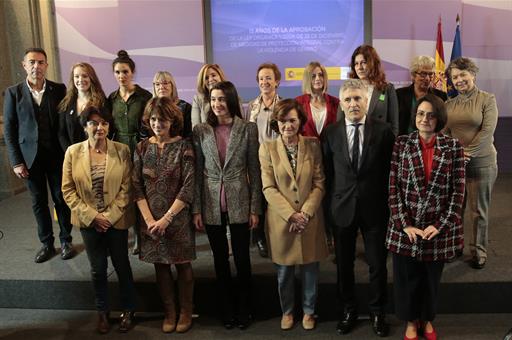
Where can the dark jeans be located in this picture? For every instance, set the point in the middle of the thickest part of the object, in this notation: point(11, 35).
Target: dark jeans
point(98, 247)
point(415, 287)
point(48, 169)
point(233, 299)
point(376, 253)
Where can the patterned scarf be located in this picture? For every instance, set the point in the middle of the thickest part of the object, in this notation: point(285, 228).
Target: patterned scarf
point(255, 110)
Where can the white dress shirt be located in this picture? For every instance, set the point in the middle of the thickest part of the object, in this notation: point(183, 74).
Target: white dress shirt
point(37, 95)
point(350, 128)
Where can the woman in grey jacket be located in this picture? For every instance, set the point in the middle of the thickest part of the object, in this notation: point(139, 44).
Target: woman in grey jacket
point(228, 192)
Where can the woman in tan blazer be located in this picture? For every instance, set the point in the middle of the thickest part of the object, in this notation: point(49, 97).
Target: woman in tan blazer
point(293, 184)
point(96, 185)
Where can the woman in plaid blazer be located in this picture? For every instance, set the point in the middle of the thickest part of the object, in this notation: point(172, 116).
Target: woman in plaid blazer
point(426, 192)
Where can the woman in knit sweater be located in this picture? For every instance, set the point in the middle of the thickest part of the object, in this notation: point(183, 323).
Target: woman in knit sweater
point(472, 118)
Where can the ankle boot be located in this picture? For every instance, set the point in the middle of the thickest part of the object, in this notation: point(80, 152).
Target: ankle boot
point(166, 288)
point(186, 297)
point(103, 326)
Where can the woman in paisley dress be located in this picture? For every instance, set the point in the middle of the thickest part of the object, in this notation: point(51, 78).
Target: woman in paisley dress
point(163, 182)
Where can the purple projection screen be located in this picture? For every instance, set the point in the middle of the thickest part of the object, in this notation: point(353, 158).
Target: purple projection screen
point(290, 33)
point(158, 35)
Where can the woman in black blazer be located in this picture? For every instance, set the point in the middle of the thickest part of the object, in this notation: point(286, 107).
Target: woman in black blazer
point(422, 73)
point(84, 90)
point(382, 102)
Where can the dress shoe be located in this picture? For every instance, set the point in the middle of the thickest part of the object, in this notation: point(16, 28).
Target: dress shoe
point(244, 321)
point(287, 322)
point(478, 263)
point(308, 322)
point(347, 322)
point(103, 326)
point(429, 335)
point(67, 251)
point(184, 322)
point(379, 325)
point(126, 322)
point(417, 325)
point(229, 323)
point(45, 253)
point(262, 248)
point(169, 323)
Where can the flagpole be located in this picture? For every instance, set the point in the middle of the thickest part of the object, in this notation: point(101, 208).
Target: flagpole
point(456, 53)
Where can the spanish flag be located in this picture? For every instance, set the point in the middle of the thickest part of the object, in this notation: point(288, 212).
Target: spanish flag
point(439, 78)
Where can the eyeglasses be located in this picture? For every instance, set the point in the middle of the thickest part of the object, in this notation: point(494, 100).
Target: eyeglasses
point(93, 123)
point(163, 83)
point(422, 114)
point(425, 74)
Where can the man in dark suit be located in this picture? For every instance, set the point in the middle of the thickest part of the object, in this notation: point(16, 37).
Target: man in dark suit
point(357, 154)
point(30, 130)
point(422, 72)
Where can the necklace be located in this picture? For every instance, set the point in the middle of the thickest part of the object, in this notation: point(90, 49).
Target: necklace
point(82, 102)
point(96, 149)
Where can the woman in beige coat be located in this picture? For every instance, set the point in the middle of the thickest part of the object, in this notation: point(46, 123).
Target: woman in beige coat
point(293, 184)
point(96, 185)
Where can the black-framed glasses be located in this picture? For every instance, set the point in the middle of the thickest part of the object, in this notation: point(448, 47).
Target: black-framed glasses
point(425, 74)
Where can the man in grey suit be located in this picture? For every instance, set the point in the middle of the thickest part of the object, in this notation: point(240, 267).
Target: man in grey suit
point(30, 131)
point(357, 155)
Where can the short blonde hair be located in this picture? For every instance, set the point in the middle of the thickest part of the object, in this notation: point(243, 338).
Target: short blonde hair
point(421, 61)
point(164, 75)
point(201, 81)
point(307, 79)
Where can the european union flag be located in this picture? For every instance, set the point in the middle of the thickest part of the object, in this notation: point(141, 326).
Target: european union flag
point(456, 53)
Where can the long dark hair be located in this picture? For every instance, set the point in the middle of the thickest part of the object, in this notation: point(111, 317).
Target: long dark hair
point(376, 75)
point(232, 102)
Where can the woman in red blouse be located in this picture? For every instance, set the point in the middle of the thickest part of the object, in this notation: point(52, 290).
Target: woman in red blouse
point(426, 192)
point(320, 107)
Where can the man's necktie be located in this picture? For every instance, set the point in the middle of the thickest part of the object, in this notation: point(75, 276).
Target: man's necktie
point(355, 147)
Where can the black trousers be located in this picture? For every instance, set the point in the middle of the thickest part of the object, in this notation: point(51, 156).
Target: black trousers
point(415, 287)
point(47, 169)
point(234, 297)
point(375, 252)
point(99, 246)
